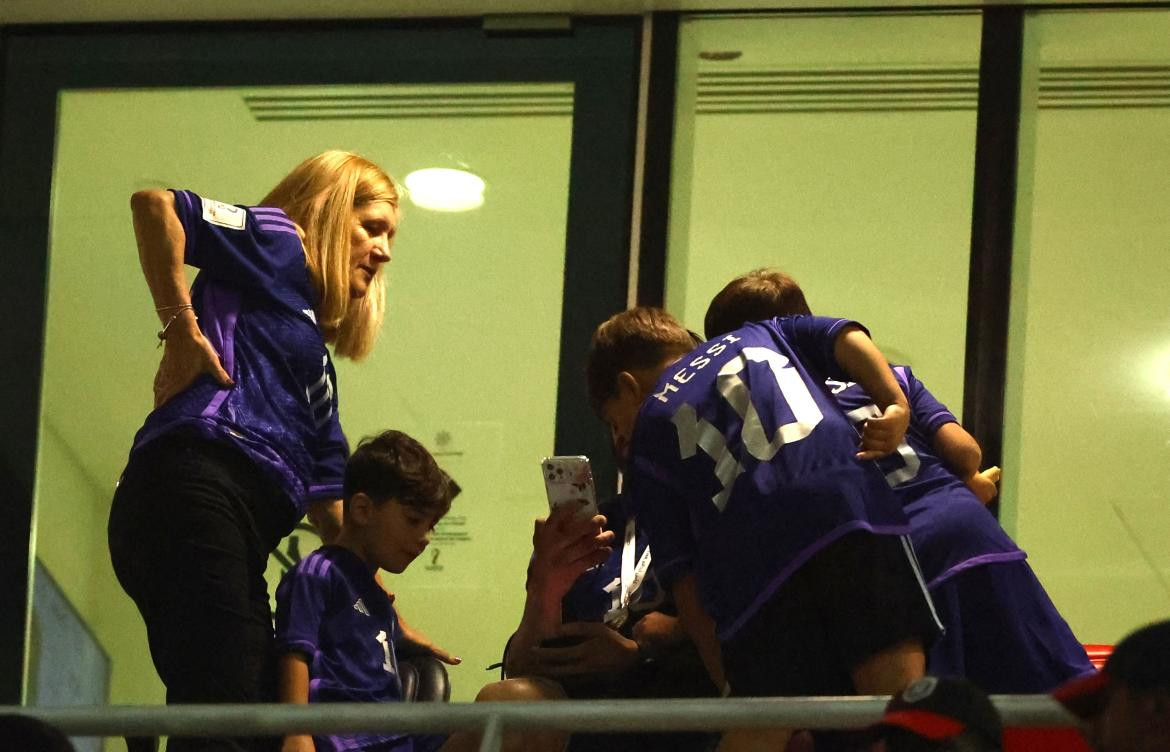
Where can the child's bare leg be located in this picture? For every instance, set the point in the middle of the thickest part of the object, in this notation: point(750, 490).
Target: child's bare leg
point(884, 673)
point(891, 670)
point(757, 740)
point(515, 690)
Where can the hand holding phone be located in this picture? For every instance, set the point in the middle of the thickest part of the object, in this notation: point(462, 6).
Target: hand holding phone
point(569, 482)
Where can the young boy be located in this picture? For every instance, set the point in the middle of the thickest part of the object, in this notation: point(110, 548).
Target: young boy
point(782, 545)
point(1002, 630)
point(335, 625)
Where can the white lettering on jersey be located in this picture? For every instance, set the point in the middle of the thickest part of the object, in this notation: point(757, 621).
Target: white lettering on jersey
point(309, 312)
point(698, 433)
point(388, 663)
point(360, 607)
point(682, 376)
point(909, 457)
point(836, 387)
point(800, 400)
point(223, 215)
point(695, 433)
point(320, 395)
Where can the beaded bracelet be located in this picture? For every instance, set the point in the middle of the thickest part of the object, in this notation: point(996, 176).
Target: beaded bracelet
point(178, 311)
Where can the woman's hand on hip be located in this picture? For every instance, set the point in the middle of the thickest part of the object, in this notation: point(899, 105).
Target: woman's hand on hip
point(187, 355)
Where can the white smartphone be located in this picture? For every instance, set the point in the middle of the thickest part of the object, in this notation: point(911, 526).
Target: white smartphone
point(569, 481)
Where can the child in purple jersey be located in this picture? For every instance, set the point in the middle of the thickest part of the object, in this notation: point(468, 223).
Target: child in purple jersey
point(336, 627)
point(244, 437)
point(620, 631)
point(782, 547)
point(1002, 630)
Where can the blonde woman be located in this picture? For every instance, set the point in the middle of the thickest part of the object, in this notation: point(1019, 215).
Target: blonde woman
point(244, 437)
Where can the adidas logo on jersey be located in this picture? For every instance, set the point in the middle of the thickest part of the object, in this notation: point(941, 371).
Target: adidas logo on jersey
point(360, 607)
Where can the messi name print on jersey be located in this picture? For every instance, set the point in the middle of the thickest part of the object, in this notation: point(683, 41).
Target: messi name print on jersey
point(749, 434)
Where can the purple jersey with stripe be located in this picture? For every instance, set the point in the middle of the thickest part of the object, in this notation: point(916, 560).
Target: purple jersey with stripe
point(255, 302)
point(742, 466)
point(598, 590)
point(330, 608)
point(950, 528)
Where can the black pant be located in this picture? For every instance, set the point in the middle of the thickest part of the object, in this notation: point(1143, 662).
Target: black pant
point(854, 598)
point(191, 527)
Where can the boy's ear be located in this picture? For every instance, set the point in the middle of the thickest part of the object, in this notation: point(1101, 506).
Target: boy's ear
point(628, 387)
point(360, 507)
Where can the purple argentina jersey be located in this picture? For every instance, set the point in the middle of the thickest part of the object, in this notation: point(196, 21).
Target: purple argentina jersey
point(254, 300)
point(950, 528)
point(742, 466)
point(330, 608)
point(599, 591)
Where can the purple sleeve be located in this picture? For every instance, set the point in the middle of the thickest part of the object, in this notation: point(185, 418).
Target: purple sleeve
point(301, 599)
point(330, 456)
point(928, 413)
point(233, 246)
point(815, 339)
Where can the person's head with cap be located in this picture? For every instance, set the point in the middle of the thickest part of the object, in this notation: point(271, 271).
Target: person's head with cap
point(1126, 706)
point(939, 714)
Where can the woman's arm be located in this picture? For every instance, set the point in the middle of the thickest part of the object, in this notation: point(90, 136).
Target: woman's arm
point(161, 243)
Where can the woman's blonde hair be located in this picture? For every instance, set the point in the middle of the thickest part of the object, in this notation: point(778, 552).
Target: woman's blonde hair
point(320, 195)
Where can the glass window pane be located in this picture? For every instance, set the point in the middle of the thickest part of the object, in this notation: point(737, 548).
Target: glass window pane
point(1086, 443)
point(840, 149)
point(467, 362)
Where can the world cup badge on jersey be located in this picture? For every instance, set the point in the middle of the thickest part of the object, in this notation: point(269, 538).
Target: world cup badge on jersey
point(223, 215)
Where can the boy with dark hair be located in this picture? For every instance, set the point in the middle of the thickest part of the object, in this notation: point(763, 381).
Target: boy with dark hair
point(784, 552)
point(1002, 630)
point(335, 626)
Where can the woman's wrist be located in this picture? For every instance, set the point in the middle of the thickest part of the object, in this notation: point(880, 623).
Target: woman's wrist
point(182, 324)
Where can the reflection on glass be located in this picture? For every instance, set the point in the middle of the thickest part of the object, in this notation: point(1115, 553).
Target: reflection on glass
point(840, 150)
point(1087, 442)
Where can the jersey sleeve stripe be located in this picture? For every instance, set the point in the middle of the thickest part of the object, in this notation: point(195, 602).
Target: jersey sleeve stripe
point(977, 561)
point(275, 220)
point(279, 228)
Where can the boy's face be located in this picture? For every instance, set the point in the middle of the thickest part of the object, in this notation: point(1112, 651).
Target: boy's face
point(398, 534)
point(620, 413)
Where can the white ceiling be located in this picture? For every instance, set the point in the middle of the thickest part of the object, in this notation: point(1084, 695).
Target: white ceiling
point(62, 11)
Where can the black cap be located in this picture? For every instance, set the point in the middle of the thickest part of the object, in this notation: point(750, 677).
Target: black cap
point(1141, 661)
point(940, 708)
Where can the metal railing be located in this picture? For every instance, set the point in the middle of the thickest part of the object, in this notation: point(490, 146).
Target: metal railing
point(491, 718)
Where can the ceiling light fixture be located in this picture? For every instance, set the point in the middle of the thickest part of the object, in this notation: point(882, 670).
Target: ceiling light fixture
point(445, 189)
